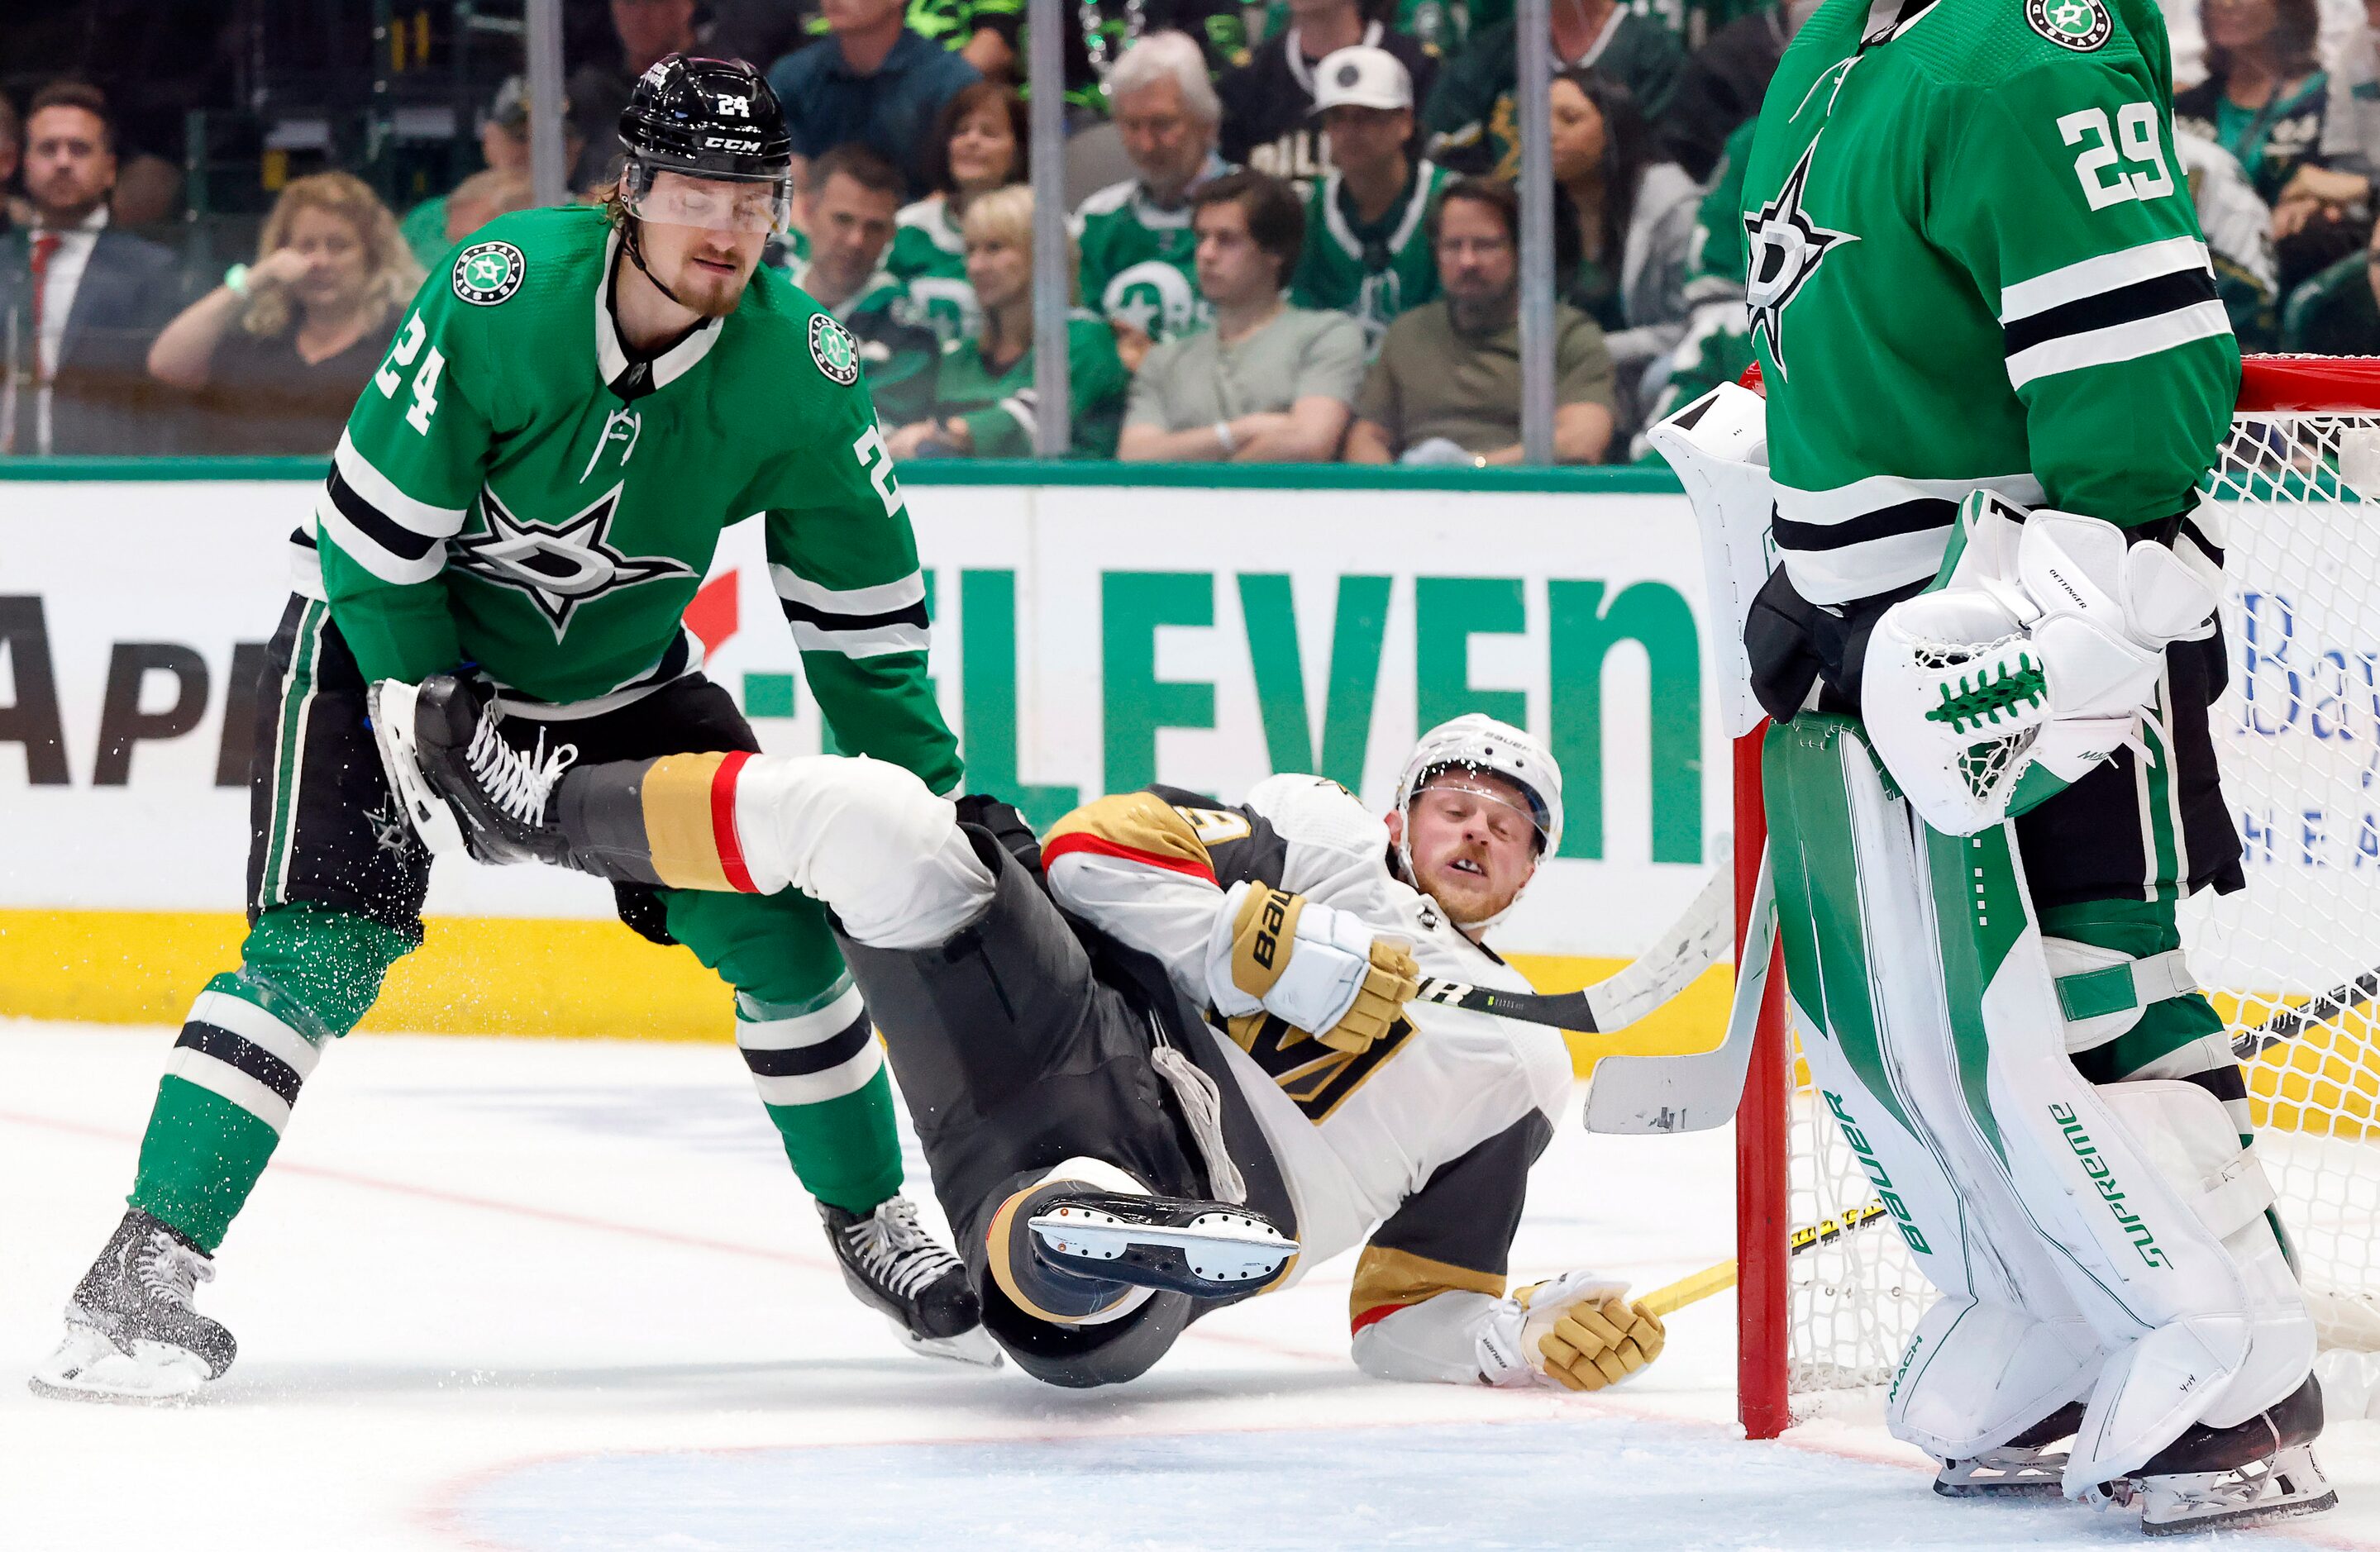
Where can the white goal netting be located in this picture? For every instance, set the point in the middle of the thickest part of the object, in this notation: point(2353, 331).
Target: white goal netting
point(2292, 962)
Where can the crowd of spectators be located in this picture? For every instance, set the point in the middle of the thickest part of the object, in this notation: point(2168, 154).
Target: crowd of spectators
point(1293, 234)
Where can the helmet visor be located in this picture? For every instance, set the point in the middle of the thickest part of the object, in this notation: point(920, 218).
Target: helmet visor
point(673, 198)
point(1458, 790)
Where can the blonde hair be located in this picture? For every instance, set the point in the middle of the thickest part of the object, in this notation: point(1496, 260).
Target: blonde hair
point(1005, 214)
point(391, 275)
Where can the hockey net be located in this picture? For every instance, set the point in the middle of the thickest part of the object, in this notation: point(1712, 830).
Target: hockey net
point(2292, 962)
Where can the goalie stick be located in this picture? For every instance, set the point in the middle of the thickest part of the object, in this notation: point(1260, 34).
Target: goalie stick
point(1694, 943)
point(2291, 1022)
point(1637, 1095)
point(1720, 1277)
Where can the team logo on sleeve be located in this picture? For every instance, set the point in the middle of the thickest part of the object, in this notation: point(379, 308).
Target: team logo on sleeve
point(831, 346)
point(1784, 250)
point(2080, 25)
point(488, 272)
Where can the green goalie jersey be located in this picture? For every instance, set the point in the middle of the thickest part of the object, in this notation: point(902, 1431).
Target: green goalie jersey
point(513, 491)
point(1974, 262)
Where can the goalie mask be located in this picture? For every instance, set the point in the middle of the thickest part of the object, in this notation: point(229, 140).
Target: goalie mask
point(1480, 743)
point(2034, 661)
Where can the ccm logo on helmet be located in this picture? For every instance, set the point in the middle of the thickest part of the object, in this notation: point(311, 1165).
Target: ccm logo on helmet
point(729, 142)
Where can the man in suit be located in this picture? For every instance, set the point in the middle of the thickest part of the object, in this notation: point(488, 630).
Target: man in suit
point(79, 303)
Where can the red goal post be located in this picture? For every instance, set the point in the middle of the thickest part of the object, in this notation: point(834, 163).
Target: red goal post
point(2270, 387)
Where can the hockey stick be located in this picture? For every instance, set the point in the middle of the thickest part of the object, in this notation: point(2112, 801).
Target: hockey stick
point(1694, 944)
point(1719, 1279)
point(2288, 1024)
point(1636, 1095)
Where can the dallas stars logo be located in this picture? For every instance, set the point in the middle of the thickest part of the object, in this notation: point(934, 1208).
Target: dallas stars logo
point(1785, 249)
point(831, 346)
point(488, 272)
point(2080, 25)
point(559, 568)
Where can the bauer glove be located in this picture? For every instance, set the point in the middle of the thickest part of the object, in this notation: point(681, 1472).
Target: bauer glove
point(1313, 967)
point(1578, 1330)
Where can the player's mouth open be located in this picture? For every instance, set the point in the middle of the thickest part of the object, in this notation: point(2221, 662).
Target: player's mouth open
point(1464, 864)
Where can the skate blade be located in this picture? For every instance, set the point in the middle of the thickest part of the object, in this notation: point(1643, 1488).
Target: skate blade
point(1219, 1248)
point(974, 1348)
point(392, 707)
point(2238, 1519)
point(89, 1367)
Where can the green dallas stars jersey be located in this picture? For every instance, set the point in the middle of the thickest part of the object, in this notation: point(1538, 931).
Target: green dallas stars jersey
point(1974, 262)
point(1138, 263)
point(1374, 274)
point(928, 256)
point(897, 352)
point(998, 407)
point(513, 491)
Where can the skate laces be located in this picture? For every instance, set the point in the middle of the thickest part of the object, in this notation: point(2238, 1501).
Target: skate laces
point(516, 783)
point(169, 1270)
point(895, 1251)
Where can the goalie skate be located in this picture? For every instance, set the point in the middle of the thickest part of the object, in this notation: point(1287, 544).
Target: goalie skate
point(131, 1332)
point(2026, 1466)
point(2283, 1487)
point(1207, 1250)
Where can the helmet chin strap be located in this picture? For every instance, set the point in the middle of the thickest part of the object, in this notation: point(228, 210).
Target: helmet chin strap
point(631, 242)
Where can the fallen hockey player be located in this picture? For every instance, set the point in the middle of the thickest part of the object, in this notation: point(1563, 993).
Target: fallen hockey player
point(1164, 1060)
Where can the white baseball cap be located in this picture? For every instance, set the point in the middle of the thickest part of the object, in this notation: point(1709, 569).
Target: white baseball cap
point(1359, 77)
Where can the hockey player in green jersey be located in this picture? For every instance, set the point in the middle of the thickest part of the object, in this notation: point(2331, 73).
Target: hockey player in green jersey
point(533, 487)
point(984, 394)
point(1996, 371)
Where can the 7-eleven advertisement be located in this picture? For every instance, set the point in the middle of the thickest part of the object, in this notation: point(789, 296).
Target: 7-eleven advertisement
point(1087, 639)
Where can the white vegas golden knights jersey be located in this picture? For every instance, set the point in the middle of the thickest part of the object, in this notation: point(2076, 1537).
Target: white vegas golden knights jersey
point(1420, 1144)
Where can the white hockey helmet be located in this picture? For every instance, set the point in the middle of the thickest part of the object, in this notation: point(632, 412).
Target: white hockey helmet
point(1476, 741)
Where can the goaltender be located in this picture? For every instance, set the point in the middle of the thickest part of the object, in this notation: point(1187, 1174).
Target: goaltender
point(1167, 1059)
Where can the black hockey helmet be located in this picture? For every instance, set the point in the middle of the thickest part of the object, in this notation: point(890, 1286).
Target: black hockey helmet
point(713, 118)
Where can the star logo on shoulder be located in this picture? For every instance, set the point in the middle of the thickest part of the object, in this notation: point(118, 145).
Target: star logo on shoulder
point(561, 567)
point(1783, 250)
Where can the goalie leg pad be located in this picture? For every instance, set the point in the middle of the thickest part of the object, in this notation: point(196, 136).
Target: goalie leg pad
point(1978, 1375)
point(1864, 988)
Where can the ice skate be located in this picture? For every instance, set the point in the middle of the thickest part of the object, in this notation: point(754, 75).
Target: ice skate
point(464, 789)
point(131, 1332)
point(2246, 1475)
point(894, 1267)
point(2026, 1466)
point(1207, 1250)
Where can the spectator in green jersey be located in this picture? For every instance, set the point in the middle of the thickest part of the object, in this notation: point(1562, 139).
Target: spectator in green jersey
point(431, 226)
point(1269, 383)
point(1447, 387)
point(979, 144)
point(845, 218)
point(983, 395)
point(1469, 114)
point(1138, 253)
point(1366, 253)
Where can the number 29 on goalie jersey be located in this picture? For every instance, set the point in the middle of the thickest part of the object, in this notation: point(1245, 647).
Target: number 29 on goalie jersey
point(1974, 262)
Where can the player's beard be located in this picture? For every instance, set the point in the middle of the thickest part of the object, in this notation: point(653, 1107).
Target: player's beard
point(707, 292)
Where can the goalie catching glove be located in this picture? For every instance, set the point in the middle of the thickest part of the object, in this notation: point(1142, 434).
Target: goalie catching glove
point(1313, 967)
point(1579, 1331)
point(2032, 662)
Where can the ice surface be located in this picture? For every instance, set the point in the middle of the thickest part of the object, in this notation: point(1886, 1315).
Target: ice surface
point(529, 1295)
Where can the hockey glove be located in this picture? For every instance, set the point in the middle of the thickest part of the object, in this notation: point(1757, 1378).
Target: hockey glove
point(1578, 1331)
point(1317, 968)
